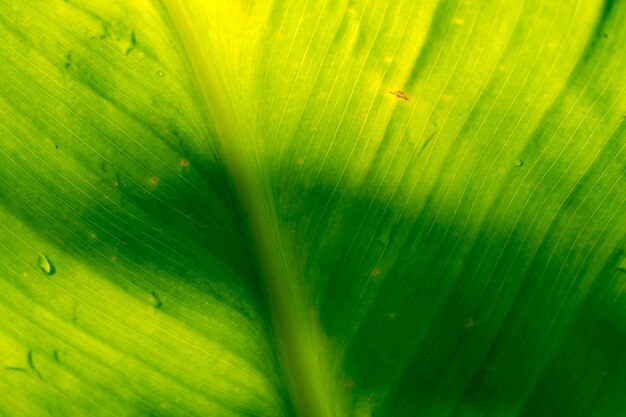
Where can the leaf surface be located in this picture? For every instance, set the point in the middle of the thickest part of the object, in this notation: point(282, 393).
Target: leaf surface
point(312, 208)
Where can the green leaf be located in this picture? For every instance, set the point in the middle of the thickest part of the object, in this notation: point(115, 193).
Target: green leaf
point(312, 208)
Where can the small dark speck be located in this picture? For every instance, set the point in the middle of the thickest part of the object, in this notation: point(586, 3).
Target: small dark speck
point(620, 269)
point(56, 146)
point(56, 356)
point(606, 35)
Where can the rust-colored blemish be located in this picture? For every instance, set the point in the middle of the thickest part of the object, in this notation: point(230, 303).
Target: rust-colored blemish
point(348, 383)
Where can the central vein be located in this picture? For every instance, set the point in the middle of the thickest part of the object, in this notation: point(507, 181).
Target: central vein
point(311, 378)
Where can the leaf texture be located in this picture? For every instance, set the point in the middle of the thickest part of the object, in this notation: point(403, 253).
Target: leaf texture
point(312, 208)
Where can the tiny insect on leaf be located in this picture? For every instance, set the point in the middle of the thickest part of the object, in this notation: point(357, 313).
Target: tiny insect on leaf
point(399, 94)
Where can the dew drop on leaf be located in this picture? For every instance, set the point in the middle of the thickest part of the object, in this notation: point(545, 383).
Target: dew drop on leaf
point(45, 264)
point(160, 73)
point(518, 163)
point(155, 300)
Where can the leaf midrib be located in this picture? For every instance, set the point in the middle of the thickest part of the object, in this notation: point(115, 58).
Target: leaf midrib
point(310, 377)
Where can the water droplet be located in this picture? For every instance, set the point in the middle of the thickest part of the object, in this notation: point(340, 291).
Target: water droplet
point(45, 264)
point(518, 163)
point(68, 60)
point(160, 73)
point(155, 300)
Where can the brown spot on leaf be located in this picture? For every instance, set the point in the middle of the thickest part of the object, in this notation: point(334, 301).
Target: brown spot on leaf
point(348, 383)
